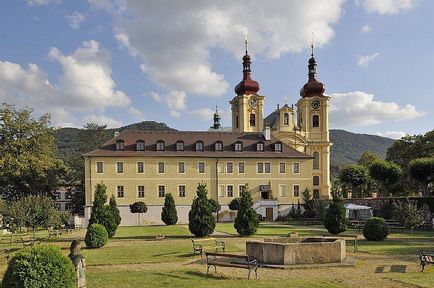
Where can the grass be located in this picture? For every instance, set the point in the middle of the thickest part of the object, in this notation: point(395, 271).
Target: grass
point(134, 259)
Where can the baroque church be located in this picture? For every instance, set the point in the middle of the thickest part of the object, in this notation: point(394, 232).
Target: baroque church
point(277, 157)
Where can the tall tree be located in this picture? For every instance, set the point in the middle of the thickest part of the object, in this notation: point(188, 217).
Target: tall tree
point(169, 215)
point(28, 161)
point(247, 220)
point(200, 218)
point(386, 173)
point(356, 177)
point(114, 210)
point(367, 158)
point(422, 170)
point(335, 220)
point(104, 214)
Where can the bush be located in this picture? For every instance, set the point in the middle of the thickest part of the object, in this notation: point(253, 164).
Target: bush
point(96, 236)
point(169, 215)
point(200, 219)
point(215, 206)
point(39, 266)
point(247, 220)
point(335, 220)
point(375, 229)
point(235, 203)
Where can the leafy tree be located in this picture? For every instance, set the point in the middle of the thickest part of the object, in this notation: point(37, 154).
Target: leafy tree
point(139, 208)
point(201, 221)
point(169, 214)
point(409, 214)
point(335, 220)
point(367, 158)
point(356, 177)
point(247, 220)
point(28, 161)
point(104, 214)
point(235, 203)
point(386, 173)
point(422, 170)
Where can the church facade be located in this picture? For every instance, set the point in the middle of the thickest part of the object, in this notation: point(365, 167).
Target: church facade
point(278, 157)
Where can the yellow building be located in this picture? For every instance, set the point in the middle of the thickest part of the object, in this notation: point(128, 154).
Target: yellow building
point(278, 157)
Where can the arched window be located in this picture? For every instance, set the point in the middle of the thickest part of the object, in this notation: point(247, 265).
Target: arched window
point(315, 160)
point(160, 145)
point(315, 121)
point(120, 145)
point(140, 145)
point(252, 119)
point(238, 146)
point(286, 119)
point(199, 146)
point(260, 146)
point(315, 180)
point(218, 146)
point(179, 145)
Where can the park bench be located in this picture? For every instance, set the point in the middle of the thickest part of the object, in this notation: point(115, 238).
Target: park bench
point(231, 260)
point(354, 237)
point(200, 244)
point(426, 259)
point(54, 232)
point(30, 241)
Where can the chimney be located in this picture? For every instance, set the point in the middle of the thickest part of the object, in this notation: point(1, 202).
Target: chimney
point(267, 133)
point(115, 134)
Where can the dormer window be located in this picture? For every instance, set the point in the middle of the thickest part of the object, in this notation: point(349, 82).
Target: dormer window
point(199, 146)
point(160, 145)
point(140, 145)
point(218, 146)
point(238, 146)
point(120, 145)
point(260, 147)
point(180, 145)
point(278, 147)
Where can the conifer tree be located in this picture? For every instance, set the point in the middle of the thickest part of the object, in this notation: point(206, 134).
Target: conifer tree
point(169, 215)
point(115, 211)
point(98, 204)
point(335, 220)
point(201, 221)
point(104, 214)
point(247, 220)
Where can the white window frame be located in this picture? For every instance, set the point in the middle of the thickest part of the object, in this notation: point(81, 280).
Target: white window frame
point(221, 190)
point(137, 165)
point(185, 190)
point(227, 190)
point(158, 167)
point(158, 190)
point(102, 166)
point(117, 191)
point(257, 167)
point(227, 170)
point(179, 171)
point(282, 191)
point(138, 191)
point(293, 190)
point(284, 168)
point(123, 167)
point(265, 167)
point(239, 189)
point(293, 168)
point(198, 167)
point(244, 168)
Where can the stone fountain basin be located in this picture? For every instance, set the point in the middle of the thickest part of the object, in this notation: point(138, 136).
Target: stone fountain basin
point(292, 251)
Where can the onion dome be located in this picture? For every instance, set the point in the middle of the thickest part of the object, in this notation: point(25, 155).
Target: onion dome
point(312, 87)
point(247, 85)
point(217, 118)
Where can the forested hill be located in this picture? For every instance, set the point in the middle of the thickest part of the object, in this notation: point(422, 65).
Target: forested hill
point(347, 147)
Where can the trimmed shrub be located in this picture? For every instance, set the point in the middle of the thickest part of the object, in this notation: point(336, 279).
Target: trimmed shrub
point(169, 215)
point(335, 220)
point(96, 236)
point(375, 229)
point(39, 266)
point(115, 211)
point(138, 207)
point(200, 218)
point(247, 220)
point(235, 203)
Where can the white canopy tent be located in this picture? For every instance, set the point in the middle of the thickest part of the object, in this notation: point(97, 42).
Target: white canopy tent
point(358, 212)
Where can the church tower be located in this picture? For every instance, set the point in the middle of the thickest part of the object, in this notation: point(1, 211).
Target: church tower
point(247, 106)
point(312, 120)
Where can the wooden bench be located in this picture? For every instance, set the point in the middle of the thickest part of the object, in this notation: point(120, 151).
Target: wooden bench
point(345, 237)
point(426, 259)
point(54, 232)
point(231, 260)
point(199, 245)
point(28, 241)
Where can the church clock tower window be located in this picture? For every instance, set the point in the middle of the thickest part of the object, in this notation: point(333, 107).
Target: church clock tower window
point(252, 119)
point(315, 121)
point(286, 119)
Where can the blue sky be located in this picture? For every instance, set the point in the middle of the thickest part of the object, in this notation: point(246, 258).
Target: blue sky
point(119, 62)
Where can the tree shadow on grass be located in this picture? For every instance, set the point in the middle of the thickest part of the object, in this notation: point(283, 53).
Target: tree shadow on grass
point(393, 269)
point(171, 275)
point(204, 275)
point(151, 237)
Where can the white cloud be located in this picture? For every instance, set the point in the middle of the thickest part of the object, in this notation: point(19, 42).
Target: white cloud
point(176, 53)
point(365, 60)
point(42, 2)
point(203, 114)
point(366, 28)
point(75, 19)
point(85, 85)
point(359, 109)
point(136, 113)
point(392, 134)
point(175, 101)
point(102, 120)
point(386, 6)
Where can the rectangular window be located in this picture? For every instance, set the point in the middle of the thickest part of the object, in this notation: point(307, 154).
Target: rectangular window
point(230, 191)
point(141, 191)
point(240, 189)
point(120, 167)
point(181, 167)
point(181, 189)
point(296, 190)
point(282, 168)
point(296, 168)
point(160, 167)
point(140, 167)
point(282, 190)
point(241, 167)
point(268, 168)
point(201, 167)
point(99, 167)
point(161, 191)
point(120, 191)
point(68, 206)
point(315, 193)
point(260, 167)
point(221, 190)
point(229, 167)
